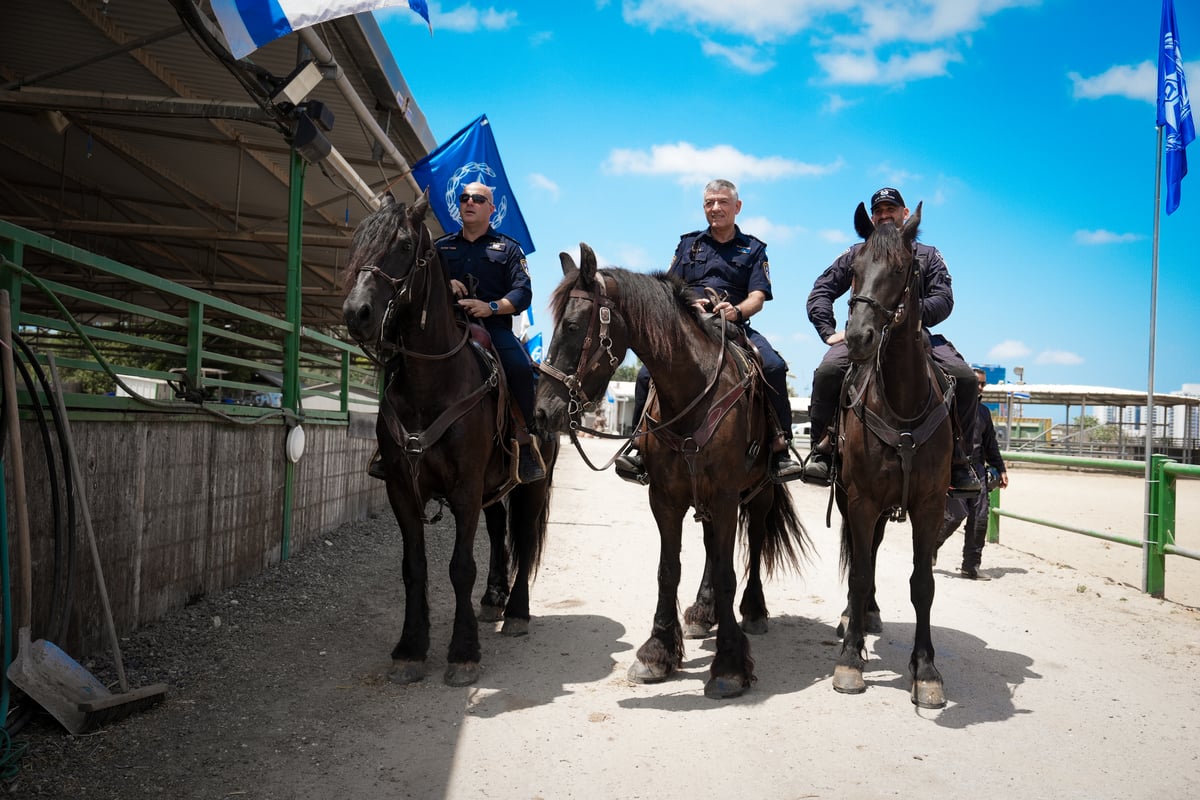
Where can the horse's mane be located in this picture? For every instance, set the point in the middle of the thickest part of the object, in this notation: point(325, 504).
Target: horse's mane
point(653, 303)
point(374, 236)
point(884, 243)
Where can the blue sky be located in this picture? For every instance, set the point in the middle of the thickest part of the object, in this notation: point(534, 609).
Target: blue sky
point(1027, 128)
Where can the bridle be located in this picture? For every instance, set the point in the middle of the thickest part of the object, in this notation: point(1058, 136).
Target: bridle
point(403, 291)
point(589, 359)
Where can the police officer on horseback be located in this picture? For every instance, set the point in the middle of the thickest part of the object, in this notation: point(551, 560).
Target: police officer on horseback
point(734, 265)
point(937, 301)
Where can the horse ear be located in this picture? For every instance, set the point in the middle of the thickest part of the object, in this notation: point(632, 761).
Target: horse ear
point(587, 263)
point(416, 214)
point(913, 222)
point(568, 263)
point(862, 222)
point(387, 200)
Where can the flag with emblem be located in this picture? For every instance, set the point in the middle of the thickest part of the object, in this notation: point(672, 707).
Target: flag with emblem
point(250, 24)
point(471, 156)
point(1174, 107)
point(534, 348)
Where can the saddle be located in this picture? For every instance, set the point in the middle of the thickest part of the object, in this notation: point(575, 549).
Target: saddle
point(511, 425)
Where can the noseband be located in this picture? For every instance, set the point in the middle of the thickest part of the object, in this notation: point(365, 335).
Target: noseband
point(589, 357)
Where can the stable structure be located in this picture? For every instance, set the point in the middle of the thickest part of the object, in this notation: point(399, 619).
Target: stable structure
point(173, 214)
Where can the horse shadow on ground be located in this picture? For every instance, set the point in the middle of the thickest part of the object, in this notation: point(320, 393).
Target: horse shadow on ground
point(798, 655)
point(528, 671)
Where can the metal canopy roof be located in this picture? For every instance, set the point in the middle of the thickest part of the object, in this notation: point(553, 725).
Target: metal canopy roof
point(1063, 394)
point(123, 132)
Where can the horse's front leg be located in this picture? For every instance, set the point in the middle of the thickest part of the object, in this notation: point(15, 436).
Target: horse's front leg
point(409, 654)
point(873, 621)
point(861, 524)
point(462, 657)
point(495, 595)
point(732, 667)
point(928, 689)
point(662, 653)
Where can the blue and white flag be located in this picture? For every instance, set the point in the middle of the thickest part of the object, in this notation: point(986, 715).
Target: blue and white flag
point(534, 348)
point(471, 155)
point(250, 24)
point(1174, 108)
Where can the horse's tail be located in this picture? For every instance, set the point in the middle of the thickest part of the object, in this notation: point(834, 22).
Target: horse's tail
point(785, 541)
point(847, 551)
point(529, 514)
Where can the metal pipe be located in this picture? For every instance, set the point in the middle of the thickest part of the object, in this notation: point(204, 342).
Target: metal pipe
point(325, 58)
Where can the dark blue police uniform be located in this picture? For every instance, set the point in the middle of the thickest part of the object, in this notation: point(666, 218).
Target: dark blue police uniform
point(494, 265)
point(734, 268)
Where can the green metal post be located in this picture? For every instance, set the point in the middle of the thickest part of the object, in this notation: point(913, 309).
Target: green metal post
point(345, 383)
point(195, 345)
point(291, 348)
point(1161, 527)
point(993, 520)
point(13, 251)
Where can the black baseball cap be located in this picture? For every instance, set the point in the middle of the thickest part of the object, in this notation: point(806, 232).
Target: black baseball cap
point(887, 195)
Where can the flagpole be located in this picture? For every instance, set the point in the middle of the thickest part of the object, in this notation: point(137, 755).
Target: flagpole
point(1150, 378)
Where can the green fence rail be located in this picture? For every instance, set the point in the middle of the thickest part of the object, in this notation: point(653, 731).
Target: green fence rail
point(213, 351)
point(1158, 540)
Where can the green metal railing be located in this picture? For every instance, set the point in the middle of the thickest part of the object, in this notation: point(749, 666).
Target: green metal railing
point(203, 345)
point(1157, 542)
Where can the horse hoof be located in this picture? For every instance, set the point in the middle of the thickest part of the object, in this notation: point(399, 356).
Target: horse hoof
point(490, 613)
point(694, 630)
point(848, 680)
point(514, 627)
point(643, 673)
point(928, 694)
point(406, 671)
point(754, 627)
point(719, 688)
point(461, 674)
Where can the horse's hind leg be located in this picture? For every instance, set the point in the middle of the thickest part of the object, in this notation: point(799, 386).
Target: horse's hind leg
point(495, 595)
point(700, 617)
point(753, 607)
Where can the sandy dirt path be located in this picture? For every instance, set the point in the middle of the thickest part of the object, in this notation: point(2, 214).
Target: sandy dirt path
point(1064, 681)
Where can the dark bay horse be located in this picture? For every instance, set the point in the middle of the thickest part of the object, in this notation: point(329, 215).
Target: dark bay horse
point(708, 451)
point(895, 443)
point(443, 435)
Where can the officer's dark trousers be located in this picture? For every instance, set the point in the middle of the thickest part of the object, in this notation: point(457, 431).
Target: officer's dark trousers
point(827, 383)
point(517, 369)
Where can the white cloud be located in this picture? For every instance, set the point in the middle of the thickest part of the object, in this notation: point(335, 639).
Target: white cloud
point(769, 231)
point(835, 103)
point(464, 19)
point(1008, 350)
point(1105, 237)
point(540, 181)
point(1058, 357)
point(692, 165)
point(865, 68)
point(834, 236)
point(1137, 82)
point(744, 58)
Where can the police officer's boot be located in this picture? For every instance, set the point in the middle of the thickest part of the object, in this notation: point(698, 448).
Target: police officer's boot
point(530, 468)
point(818, 467)
point(375, 466)
point(784, 468)
point(963, 480)
point(630, 467)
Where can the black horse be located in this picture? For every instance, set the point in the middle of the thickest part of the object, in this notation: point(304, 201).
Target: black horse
point(895, 443)
point(709, 450)
point(444, 434)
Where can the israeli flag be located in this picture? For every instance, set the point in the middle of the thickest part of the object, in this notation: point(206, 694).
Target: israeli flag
point(250, 24)
point(534, 348)
point(471, 155)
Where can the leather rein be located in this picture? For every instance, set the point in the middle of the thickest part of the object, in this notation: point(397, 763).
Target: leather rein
point(904, 441)
point(416, 443)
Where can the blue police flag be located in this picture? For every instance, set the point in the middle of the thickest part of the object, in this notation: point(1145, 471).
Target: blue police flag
point(1174, 107)
point(250, 24)
point(534, 348)
point(471, 155)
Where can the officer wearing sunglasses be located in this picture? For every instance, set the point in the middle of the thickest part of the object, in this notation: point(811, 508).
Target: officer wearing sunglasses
point(490, 278)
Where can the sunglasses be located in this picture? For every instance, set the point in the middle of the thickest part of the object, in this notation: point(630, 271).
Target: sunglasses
point(983, 386)
point(477, 199)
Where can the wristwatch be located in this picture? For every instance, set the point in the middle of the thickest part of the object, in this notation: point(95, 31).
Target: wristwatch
point(494, 306)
